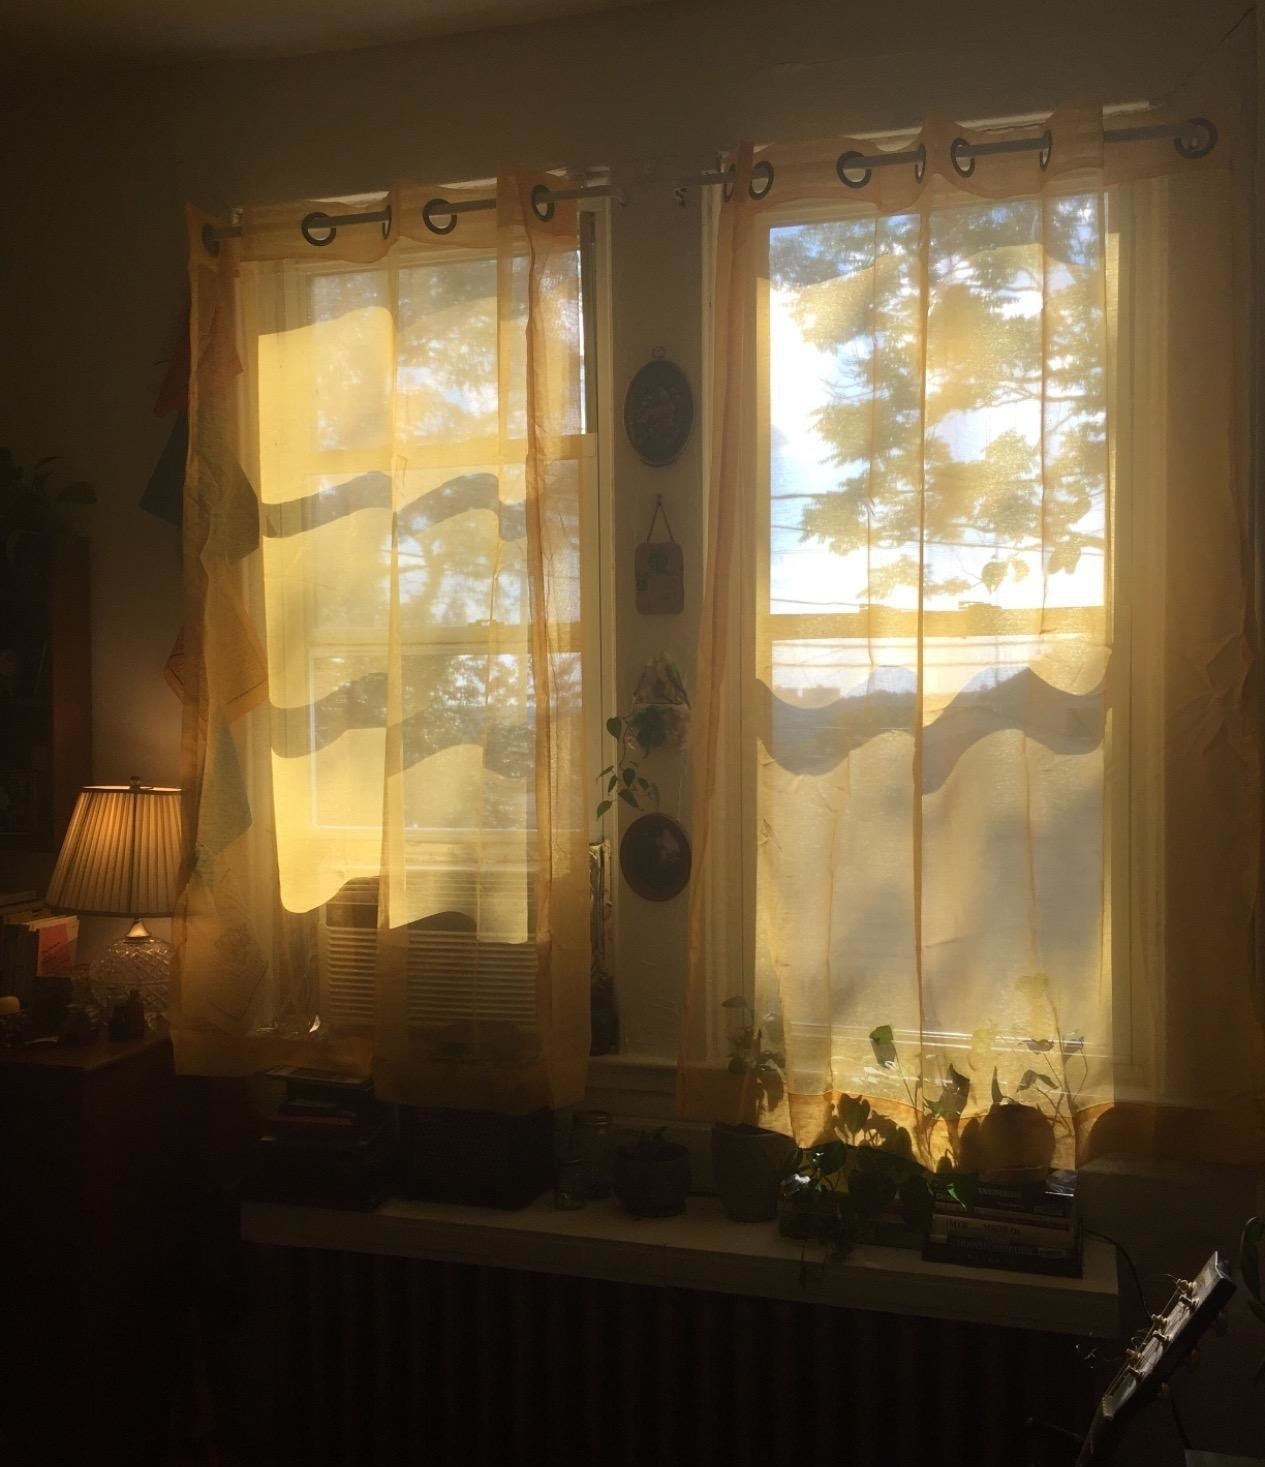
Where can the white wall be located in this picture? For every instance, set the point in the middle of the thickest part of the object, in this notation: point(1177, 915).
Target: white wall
point(93, 251)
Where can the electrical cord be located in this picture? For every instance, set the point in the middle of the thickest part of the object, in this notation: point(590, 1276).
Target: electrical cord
point(1124, 1253)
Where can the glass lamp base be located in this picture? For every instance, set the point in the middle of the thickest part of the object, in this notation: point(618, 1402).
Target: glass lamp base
point(141, 963)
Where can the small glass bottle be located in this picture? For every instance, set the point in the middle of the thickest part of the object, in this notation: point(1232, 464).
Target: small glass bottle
point(568, 1192)
point(591, 1143)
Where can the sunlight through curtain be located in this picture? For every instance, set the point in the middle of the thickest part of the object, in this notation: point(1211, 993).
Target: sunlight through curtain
point(977, 679)
point(383, 658)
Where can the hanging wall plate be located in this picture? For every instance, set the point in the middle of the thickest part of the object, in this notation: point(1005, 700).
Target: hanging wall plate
point(659, 412)
point(655, 857)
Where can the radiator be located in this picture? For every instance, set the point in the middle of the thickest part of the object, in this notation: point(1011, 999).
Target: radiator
point(387, 1360)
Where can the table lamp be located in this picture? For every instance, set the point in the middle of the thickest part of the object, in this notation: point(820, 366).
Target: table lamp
point(121, 858)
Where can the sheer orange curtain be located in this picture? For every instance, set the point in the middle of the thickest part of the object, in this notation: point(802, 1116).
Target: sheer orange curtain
point(383, 657)
point(977, 682)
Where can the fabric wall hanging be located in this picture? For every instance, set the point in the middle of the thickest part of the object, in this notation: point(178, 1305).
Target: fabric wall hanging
point(660, 570)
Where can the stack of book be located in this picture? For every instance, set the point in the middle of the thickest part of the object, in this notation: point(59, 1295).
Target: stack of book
point(328, 1143)
point(34, 942)
point(1031, 1227)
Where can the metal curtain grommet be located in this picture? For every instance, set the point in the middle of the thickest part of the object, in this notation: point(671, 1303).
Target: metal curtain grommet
point(386, 223)
point(317, 220)
point(920, 163)
point(1199, 141)
point(765, 170)
point(730, 183)
point(852, 160)
point(539, 193)
point(438, 206)
point(1047, 147)
point(955, 157)
point(209, 242)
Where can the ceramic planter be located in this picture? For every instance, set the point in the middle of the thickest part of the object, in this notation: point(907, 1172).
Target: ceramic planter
point(1016, 1144)
point(651, 1181)
point(748, 1164)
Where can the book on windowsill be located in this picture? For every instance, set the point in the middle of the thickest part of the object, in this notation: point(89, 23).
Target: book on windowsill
point(1057, 1263)
point(1042, 1233)
point(1053, 1197)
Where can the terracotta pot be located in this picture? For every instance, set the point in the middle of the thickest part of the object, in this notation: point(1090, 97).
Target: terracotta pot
point(749, 1163)
point(651, 1182)
point(1016, 1144)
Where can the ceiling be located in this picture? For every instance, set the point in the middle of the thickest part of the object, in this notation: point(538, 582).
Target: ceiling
point(132, 30)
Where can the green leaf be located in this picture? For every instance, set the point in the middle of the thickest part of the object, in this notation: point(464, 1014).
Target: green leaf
point(614, 727)
point(629, 775)
point(963, 1189)
point(831, 1157)
point(1028, 1081)
point(603, 808)
point(612, 782)
point(629, 799)
point(1039, 1046)
point(997, 1097)
point(1073, 1044)
point(609, 768)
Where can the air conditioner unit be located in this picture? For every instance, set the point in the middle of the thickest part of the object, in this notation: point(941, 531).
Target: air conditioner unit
point(452, 976)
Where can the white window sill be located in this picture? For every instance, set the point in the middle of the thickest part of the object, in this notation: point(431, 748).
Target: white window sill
point(703, 1250)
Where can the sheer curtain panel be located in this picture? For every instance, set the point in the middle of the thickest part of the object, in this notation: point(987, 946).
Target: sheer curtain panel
point(977, 683)
point(383, 654)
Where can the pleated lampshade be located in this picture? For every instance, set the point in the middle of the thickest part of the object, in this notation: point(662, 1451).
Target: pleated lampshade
point(121, 855)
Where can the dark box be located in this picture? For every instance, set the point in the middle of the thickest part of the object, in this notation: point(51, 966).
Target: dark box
point(476, 1156)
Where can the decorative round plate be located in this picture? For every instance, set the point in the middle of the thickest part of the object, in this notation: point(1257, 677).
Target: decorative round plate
point(659, 412)
point(655, 857)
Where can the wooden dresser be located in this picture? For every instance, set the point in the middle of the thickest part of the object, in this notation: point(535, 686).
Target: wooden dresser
point(91, 1183)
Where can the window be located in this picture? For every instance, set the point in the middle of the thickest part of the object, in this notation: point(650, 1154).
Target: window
point(932, 569)
point(391, 404)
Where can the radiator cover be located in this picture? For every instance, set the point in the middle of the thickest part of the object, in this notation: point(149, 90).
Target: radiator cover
point(383, 1361)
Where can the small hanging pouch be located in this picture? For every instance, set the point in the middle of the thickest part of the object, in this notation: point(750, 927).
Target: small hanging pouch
point(660, 568)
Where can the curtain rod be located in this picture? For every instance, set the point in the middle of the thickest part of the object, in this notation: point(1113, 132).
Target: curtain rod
point(320, 228)
point(1194, 138)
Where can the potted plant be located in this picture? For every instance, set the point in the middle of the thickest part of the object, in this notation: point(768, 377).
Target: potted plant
point(651, 1175)
point(30, 515)
point(749, 1161)
point(660, 719)
point(816, 1204)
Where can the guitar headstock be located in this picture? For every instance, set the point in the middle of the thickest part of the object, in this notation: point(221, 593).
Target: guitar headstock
point(1150, 1361)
